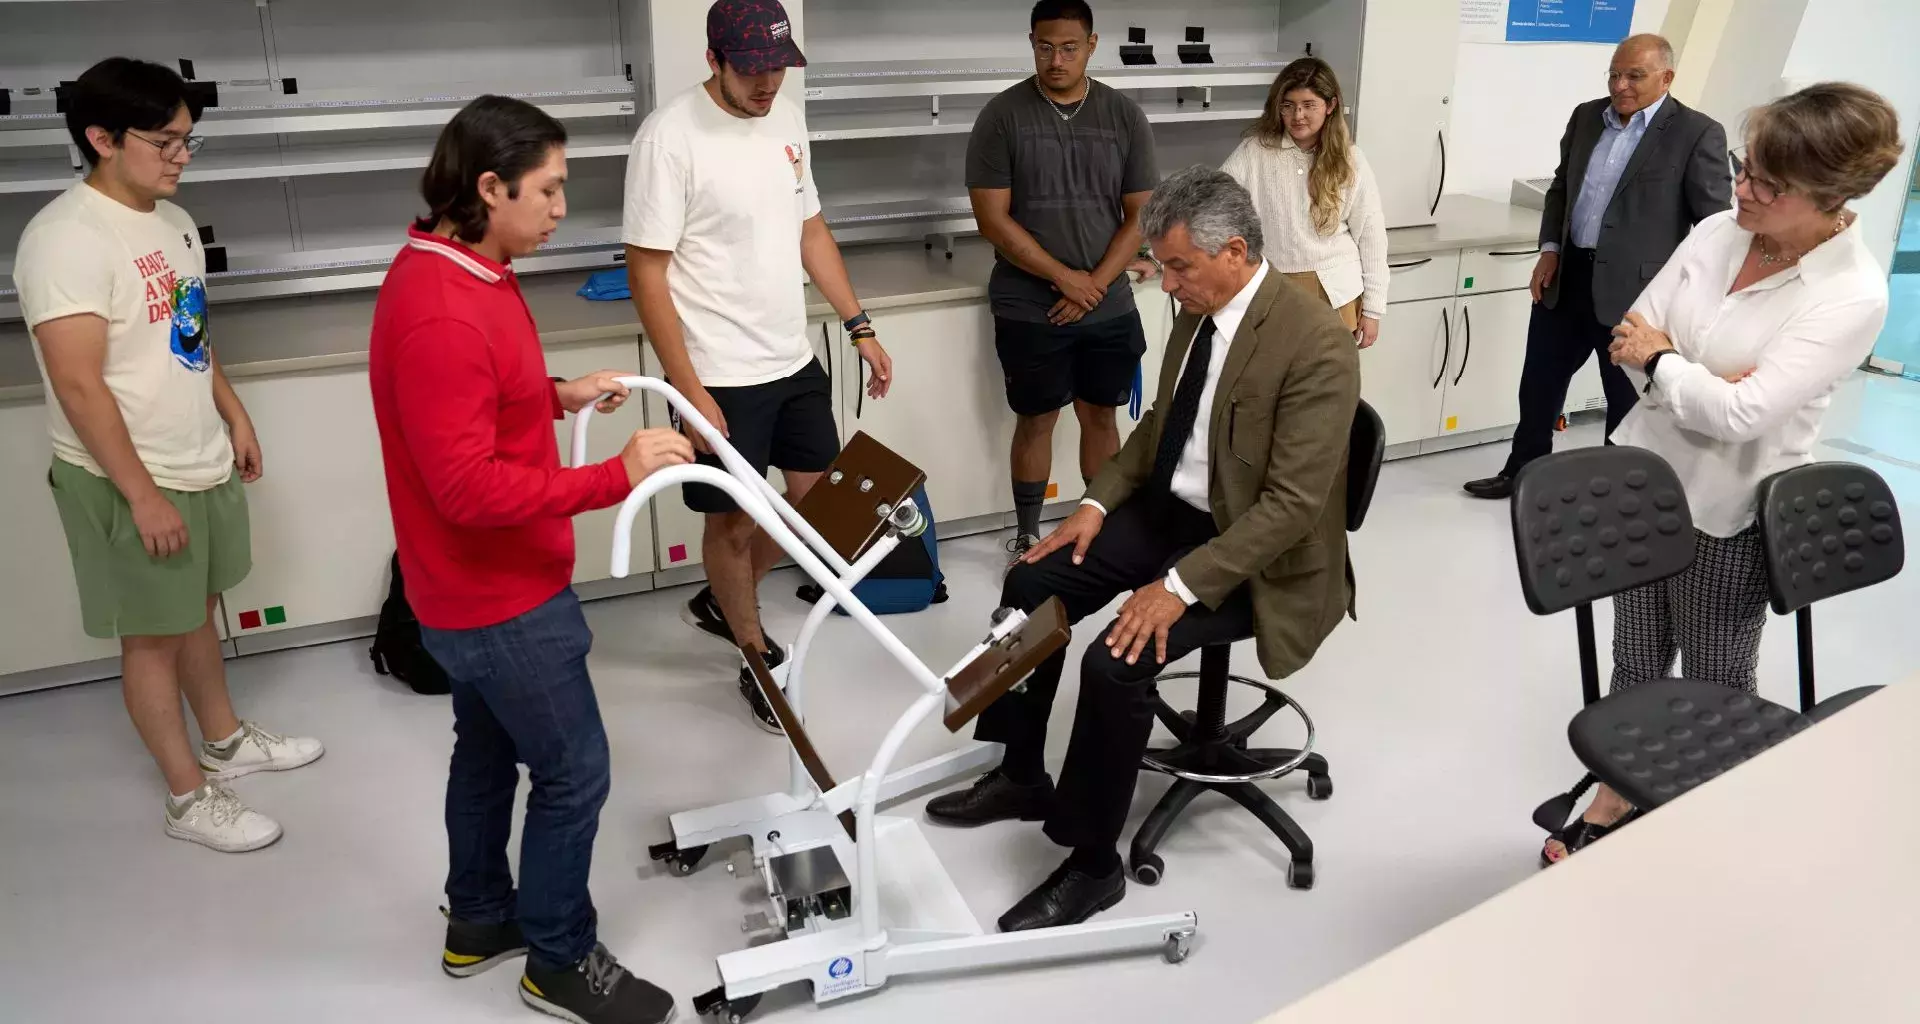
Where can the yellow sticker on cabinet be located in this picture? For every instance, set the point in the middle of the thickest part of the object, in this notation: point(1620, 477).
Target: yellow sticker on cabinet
point(1453, 423)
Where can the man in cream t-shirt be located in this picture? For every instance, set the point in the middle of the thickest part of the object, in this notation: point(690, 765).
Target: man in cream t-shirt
point(147, 436)
point(723, 230)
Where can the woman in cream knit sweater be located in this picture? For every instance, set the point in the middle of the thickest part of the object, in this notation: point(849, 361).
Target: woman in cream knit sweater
point(1319, 206)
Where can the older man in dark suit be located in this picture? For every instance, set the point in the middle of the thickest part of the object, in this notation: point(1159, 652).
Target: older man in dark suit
point(1647, 169)
point(1224, 514)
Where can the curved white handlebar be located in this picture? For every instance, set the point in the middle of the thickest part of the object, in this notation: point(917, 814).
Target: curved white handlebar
point(730, 458)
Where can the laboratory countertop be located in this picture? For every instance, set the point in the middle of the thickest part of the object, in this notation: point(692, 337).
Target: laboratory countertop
point(329, 331)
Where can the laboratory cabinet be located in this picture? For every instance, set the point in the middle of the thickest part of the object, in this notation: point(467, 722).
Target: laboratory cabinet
point(947, 412)
point(1446, 368)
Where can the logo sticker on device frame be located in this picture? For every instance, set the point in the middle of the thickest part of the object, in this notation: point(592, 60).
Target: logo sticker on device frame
point(841, 980)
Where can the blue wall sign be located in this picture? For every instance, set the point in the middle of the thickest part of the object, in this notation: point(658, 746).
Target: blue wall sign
point(1569, 21)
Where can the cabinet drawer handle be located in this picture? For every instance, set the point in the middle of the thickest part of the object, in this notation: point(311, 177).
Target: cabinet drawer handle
point(1466, 318)
point(1535, 251)
point(1415, 263)
point(1446, 354)
point(1442, 133)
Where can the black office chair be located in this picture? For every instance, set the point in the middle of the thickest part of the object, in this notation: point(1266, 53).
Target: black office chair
point(1588, 524)
point(1827, 529)
point(1213, 754)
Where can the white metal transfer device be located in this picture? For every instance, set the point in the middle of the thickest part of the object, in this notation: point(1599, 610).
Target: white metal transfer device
point(855, 898)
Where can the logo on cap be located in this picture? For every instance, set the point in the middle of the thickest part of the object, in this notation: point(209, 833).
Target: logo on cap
point(779, 30)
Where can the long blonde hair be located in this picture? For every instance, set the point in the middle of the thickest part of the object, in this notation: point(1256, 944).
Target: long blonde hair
point(1333, 156)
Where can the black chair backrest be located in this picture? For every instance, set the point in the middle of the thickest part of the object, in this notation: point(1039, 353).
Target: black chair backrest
point(1366, 449)
point(1594, 522)
point(1828, 528)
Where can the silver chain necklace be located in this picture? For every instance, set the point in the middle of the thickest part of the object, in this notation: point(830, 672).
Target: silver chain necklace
point(1085, 90)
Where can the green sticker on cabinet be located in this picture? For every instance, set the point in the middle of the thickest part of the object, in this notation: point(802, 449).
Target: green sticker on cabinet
point(276, 615)
point(1469, 283)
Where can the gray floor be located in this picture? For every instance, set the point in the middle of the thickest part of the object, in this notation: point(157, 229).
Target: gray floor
point(1443, 710)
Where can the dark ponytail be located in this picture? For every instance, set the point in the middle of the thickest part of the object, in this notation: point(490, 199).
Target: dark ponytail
point(493, 133)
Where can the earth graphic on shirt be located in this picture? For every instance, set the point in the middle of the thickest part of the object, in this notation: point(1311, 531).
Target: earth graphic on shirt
point(189, 335)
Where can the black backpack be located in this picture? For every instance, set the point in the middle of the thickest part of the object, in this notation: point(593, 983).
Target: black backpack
point(397, 650)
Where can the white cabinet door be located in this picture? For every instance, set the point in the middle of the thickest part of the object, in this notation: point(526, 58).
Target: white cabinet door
point(947, 413)
point(322, 532)
point(1490, 348)
point(677, 530)
point(40, 627)
point(1155, 321)
point(1406, 77)
point(593, 531)
point(1400, 374)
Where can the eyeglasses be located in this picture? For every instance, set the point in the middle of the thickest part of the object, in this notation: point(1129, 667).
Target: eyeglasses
point(1764, 190)
point(1288, 107)
point(171, 148)
point(1634, 77)
point(1045, 51)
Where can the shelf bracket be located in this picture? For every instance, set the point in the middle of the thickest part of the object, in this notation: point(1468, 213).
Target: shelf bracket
point(936, 108)
point(944, 239)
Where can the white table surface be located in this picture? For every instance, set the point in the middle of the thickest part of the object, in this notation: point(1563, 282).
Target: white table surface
point(1787, 890)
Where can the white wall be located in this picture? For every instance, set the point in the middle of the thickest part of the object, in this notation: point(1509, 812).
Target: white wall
point(1835, 43)
point(1749, 40)
point(1511, 101)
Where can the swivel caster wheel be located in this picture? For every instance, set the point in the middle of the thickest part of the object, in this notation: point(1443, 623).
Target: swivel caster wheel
point(680, 862)
point(1148, 870)
point(1319, 787)
point(1179, 945)
point(1300, 874)
point(715, 1004)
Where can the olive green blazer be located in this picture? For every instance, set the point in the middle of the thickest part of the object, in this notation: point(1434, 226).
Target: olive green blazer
point(1277, 467)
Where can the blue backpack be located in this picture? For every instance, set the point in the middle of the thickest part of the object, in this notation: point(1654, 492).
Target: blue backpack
point(907, 580)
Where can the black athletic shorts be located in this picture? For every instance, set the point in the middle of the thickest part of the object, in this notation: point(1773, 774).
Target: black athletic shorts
point(785, 423)
point(1047, 366)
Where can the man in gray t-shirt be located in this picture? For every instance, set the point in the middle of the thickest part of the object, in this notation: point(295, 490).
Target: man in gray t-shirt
point(1058, 168)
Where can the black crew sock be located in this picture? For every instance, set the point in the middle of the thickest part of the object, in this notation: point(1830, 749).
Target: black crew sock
point(1027, 499)
point(1094, 861)
point(1023, 768)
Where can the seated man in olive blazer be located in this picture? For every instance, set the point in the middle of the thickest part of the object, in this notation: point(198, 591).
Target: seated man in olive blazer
point(1224, 514)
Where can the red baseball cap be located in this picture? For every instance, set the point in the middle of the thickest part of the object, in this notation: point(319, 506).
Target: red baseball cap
point(754, 36)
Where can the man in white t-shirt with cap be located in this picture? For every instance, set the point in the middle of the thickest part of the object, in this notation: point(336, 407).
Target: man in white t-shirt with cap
point(723, 229)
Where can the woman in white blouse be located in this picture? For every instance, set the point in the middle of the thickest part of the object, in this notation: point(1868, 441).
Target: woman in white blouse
point(1319, 206)
point(1739, 344)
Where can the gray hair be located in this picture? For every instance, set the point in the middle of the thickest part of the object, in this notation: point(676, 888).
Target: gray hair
point(1214, 207)
point(1649, 42)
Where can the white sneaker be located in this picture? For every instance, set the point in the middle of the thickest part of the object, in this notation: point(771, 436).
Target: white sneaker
point(215, 818)
point(257, 750)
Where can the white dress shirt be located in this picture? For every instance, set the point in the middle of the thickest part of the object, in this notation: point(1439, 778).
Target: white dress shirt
point(1190, 473)
point(1800, 332)
point(1352, 261)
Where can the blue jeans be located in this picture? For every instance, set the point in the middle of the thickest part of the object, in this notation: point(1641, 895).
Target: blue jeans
point(521, 695)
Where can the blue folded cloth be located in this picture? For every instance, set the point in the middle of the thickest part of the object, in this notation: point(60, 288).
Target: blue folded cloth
point(607, 285)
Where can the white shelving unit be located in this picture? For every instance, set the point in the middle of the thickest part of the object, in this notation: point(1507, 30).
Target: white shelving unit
point(326, 114)
point(891, 134)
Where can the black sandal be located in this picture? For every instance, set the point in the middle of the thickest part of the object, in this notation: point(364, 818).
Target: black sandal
point(1581, 833)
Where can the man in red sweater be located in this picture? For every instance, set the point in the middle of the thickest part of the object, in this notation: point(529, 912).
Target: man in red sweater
point(482, 513)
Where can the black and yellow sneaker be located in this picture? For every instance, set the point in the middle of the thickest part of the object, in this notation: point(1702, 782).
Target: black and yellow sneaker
point(473, 948)
point(597, 990)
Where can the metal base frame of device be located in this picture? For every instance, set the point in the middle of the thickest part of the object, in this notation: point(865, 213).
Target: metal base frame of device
point(907, 917)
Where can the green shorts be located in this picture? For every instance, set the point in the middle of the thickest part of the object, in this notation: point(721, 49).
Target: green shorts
point(126, 592)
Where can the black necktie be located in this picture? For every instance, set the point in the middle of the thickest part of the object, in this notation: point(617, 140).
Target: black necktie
point(1184, 411)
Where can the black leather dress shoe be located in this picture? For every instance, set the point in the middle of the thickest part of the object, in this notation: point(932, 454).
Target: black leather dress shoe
point(1066, 897)
point(993, 798)
point(1493, 488)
